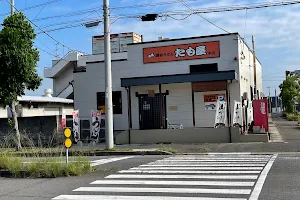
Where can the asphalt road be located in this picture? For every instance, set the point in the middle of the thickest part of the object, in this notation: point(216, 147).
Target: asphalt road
point(164, 177)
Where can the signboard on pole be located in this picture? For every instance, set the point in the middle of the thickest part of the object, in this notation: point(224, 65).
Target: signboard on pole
point(96, 122)
point(63, 121)
point(220, 118)
point(250, 113)
point(260, 112)
point(237, 114)
point(210, 101)
point(76, 125)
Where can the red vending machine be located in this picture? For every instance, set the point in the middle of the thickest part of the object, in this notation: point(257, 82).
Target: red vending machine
point(260, 113)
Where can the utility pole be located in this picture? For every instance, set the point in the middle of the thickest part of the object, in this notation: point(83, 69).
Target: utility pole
point(109, 129)
point(270, 101)
point(276, 106)
point(254, 66)
point(12, 7)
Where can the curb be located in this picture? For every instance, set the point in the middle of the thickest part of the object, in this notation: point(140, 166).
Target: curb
point(97, 153)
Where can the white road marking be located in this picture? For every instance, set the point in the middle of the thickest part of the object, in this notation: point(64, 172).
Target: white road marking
point(164, 190)
point(110, 197)
point(231, 153)
point(203, 165)
point(188, 172)
point(215, 163)
point(161, 176)
point(108, 160)
point(195, 168)
point(156, 182)
point(260, 182)
point(214, 160)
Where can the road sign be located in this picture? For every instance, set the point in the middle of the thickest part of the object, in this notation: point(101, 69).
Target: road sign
point(68, 143)
point(67, 132)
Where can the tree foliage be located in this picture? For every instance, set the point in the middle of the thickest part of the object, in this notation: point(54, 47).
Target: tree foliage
point(18, 59)
point(290, 92)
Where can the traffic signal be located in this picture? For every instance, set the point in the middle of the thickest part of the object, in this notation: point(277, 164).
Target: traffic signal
point(149, 17)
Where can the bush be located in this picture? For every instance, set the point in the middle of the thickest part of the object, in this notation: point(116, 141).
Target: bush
point(42, 168)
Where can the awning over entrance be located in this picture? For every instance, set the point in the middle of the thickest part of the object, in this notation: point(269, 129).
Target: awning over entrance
point(179, 78)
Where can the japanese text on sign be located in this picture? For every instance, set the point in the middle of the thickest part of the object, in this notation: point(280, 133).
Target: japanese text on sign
point(182, 52)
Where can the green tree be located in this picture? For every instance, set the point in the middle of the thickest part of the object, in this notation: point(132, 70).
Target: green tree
point(290, 93)
point(18, 63)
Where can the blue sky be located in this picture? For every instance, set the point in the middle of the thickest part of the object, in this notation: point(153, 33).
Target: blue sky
point(276, 29)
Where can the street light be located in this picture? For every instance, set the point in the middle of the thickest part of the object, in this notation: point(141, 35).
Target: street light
point(92, 24)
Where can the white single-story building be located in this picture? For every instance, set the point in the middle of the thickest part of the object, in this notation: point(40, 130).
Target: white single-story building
point(173, 80)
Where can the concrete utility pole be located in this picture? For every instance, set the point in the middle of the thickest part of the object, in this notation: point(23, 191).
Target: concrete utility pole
point(12, 7)
point(109, 129)
point(276, 106)
point(254, 67)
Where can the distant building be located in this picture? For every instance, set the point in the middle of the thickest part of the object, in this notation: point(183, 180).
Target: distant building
point(37, 114)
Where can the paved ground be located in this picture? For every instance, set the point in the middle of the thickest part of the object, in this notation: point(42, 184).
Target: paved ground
point(233, 176)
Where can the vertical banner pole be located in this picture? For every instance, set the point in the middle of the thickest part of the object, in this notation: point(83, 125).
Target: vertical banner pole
point(67, 156)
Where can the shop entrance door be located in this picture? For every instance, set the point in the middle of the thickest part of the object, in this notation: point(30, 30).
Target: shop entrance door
point(152, 112)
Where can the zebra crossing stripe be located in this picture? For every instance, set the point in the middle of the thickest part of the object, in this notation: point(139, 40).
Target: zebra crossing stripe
point(214, 160)
point(260, 182)
point(111, 197)
point(108, 160)
point(162, 176)
point(216, 163)
point(178, 183)
point(187, 172)
point(164, 190)
point(203, 165)
point(196, 168)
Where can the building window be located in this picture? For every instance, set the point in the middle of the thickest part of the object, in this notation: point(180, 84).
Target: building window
point(213, 67)
point(116, 100)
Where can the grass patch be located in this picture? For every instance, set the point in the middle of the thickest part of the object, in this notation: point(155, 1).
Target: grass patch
point(44, 168)
point(293, 117)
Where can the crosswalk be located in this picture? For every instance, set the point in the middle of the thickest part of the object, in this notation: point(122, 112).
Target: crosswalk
point(187, 177)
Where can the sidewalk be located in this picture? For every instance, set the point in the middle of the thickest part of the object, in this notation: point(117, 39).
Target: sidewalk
point(285, 141)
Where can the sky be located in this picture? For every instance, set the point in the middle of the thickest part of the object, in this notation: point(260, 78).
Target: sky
point(276, 29)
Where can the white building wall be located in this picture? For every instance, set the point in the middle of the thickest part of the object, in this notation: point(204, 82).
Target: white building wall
point(136, 67)
point(88, 83)
point(204, 118)
point(62, 81)
point(47, 110)
point(180, 95)
point(247, 70)
point(3, 112)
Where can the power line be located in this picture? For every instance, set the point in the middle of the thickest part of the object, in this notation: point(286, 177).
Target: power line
point(191, 9)
point(148, 4)
point(42, 29)
point(45, 51)
point(35, 6)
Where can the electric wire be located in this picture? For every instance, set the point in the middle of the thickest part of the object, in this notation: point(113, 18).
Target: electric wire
point(43, 30)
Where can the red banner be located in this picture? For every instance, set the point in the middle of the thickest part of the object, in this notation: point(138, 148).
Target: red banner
point(260, 113)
